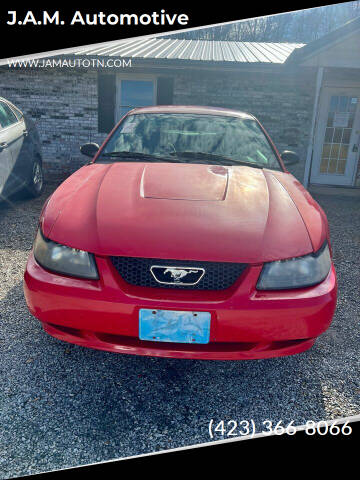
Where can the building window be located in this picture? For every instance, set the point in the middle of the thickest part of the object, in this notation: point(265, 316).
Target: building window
point(134, 92)
point(117, 94)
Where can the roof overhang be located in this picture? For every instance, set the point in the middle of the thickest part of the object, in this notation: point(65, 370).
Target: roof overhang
point(318, 52)
point(179, 64)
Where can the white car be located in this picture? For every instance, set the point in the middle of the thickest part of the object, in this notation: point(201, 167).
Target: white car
point(20, 153)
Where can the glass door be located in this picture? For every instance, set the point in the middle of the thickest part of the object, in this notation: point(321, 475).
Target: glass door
point(336, 148)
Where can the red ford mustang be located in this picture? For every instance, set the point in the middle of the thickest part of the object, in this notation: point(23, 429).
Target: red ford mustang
point(184, 237)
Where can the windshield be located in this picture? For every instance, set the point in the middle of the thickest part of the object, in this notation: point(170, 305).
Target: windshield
point(190, 138)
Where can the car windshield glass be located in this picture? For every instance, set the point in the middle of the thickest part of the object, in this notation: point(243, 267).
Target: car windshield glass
point(190, 138)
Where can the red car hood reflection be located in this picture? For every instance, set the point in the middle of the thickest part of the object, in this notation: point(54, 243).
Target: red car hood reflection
point(185, 212)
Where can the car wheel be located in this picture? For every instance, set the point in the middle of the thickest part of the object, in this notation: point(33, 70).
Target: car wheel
point(35, 185)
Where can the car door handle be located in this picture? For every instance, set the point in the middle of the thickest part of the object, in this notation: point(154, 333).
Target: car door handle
point(25, 133)
point(3, 145)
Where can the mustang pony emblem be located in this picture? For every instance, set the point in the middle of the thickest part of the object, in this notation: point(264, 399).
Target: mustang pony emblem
point(170, 275)
point(178, 273)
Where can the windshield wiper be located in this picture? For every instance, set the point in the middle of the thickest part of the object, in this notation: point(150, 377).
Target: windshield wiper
point(179, 157)
point(139, 155)
point(127, 154)
point(213, 156)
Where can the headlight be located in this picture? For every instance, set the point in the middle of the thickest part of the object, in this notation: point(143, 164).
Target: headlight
point(65, 260)
point(297, 272)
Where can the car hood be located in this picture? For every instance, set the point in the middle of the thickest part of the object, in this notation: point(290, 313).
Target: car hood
point(184, 211)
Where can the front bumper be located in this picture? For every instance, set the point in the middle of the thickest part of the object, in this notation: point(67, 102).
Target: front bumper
point(245, 323)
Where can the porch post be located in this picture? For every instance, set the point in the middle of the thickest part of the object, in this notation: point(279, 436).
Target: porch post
point(319, 77)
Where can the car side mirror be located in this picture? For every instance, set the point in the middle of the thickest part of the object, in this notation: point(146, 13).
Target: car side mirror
point(289, 157)
point(89, 149)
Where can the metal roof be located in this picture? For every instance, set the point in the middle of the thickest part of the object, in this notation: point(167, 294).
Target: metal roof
point(194, 50)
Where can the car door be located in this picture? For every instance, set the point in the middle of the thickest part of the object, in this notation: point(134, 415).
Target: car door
point(15, 132)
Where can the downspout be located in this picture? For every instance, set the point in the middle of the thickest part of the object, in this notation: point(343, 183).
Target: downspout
point(319, 78)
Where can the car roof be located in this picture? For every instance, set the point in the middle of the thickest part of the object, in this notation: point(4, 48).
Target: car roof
point(195, 109)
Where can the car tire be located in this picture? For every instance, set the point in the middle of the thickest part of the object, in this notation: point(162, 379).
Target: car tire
point(35, 184)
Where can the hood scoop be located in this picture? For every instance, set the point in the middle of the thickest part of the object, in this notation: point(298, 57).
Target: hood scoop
point(184, 182)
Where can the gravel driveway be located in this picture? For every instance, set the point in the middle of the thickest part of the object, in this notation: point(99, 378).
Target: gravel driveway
point(63, 405)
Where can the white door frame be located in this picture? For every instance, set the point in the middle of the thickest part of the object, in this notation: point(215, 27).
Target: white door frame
point(348, 178)
point(319, 79)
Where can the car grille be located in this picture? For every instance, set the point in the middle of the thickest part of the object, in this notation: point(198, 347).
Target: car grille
point(217, 276)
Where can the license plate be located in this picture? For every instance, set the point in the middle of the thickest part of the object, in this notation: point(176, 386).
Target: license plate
point(174, 326)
